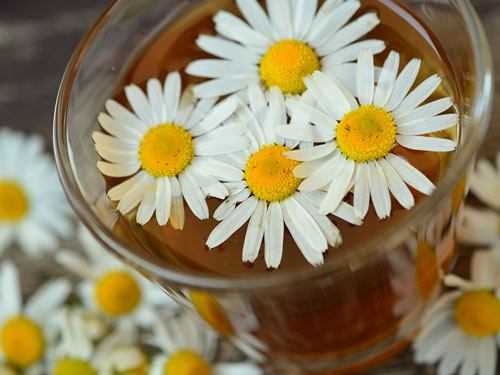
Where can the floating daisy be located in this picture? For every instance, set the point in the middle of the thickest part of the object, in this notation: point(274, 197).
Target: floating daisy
point(27, 330)
point(168, 146)
point(359, 136)
point(461, 329)
point(77, 354)
point(267, 194)
point(281, 48)
point(189, 348)
point(32, 214)
point(110, 287)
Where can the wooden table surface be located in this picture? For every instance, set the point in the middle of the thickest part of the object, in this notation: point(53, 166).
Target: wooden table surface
point(36, 41)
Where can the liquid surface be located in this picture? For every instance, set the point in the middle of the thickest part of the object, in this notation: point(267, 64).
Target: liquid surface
point(175, 47)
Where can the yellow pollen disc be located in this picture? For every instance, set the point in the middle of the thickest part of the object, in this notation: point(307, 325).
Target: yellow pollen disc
point(166, 150)
point(73, 366)
point(22, 341)
point(14, 203)
point(269, 174)
point(426, 270)
point(212, 312)
point(117, 293)
point(187, 362)
point(478, 313)
point(367, 133)
point(286, 64)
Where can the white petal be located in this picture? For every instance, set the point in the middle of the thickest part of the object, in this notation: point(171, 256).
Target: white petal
point(309, 113)
point(346, 212)
point(397, 186)
point(118, 170)
point(350, 53)
point(428, 125)
point(361, 190)
point(177, 217)
point(223, 86)
point(256, 98)
point(479, 227)
point(313, 153)
point(220, 146)
point(186, 107)
point(200, 110)
point(121, 114)
point(193, 195)
point(351, 32)
point(280, 14)
point(220, 113)
point(423, 143)
point(214, 68)
point(146, 208)
point(117, 128)
point(323, 175)
point(255, 16)
point(379, 191)
point(365, 78)
point(163, 200)
point(234, 28)
point(308, 133)
point(339, 187)
point(325, 26)
point(172, 95)
point(426, 111)
point(255, 233)
point(304, 13)
point(487, 357)
point(238, 368)
point(118, 192)
point(411, 175)
point(276, 115)
point(227, 50)
point(48, 299)
point(306, 169)
point(117, 156)
point(274, 233)
point(139, 103)
point(421, 93)
point(135, 194)
point(403, 84)
point(155, 95)
point(232, 223)
point(305, 231)
point(218, 169)
point(10, 289)
point(387, 80)
point(108, 142)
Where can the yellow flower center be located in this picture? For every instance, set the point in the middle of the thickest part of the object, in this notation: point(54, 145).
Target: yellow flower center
point(22, 341)
point(117, 293)
point(426, 270)
point(187, 362)
point(73, 366)
point(478, 313)
point(286, 63)
point(269, 174)
point(14, 203)
point(166, 150)
point(212, 312)
point(367, 133)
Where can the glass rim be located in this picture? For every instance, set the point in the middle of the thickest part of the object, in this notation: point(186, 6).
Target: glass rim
point(360, 254)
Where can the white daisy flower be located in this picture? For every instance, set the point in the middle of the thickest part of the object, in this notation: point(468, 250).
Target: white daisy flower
point(485, 182)
point(189, 348)
point(169, 147)
point(267, 195)
point(461, 329)
point(111, 287)
point(76, 354)
point(26, 330)
point(359, 136)
point(281, 47)
point(33, 214)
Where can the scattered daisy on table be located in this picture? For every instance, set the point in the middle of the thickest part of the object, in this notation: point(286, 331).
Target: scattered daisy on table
point(481, 226)
point(283, 46)
point(32, 214)
point(267, 197)
point(188, 347)
point(77, 352)
point(461, 330)
point(358, 134)
point(110, 287)
point(167, 148)
point(27, 330)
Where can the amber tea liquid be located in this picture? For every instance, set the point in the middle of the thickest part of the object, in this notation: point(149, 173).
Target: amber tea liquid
point(355, 310)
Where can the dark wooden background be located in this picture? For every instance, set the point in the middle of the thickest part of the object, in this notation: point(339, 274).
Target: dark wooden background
point(36, 40)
